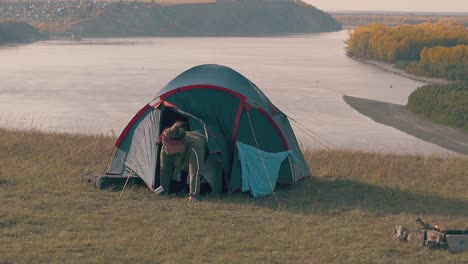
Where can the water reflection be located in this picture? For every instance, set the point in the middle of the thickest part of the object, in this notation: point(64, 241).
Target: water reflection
point(98, 85)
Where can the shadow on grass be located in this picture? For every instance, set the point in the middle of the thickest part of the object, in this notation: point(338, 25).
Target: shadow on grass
point(6, 182)
point(331, 196)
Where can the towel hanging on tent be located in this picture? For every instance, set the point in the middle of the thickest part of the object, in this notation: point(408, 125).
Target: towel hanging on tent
point(260, 169)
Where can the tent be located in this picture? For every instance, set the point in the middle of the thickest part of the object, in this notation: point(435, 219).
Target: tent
point(229, 110)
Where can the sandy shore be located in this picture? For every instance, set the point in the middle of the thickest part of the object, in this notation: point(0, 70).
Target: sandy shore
point(390, 68)
point(398, 117)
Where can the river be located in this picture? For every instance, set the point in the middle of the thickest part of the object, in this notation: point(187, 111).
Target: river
point(97, 85)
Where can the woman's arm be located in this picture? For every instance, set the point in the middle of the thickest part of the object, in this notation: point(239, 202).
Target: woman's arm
point(166, 170)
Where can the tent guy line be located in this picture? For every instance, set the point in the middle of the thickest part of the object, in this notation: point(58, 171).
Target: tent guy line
point(309, 133)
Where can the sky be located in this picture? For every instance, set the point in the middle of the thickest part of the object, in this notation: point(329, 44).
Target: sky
point(391, 5)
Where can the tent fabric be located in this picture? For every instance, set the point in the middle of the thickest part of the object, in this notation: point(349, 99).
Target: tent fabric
point(227, 108)
point(300, 168)
point(260, 169)
point(137, 153)
point(212, 75)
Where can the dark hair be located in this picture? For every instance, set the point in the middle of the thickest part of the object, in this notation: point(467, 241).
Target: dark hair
point(176, 131)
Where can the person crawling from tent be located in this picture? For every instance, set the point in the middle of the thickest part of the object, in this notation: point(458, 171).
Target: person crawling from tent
point(184, 151)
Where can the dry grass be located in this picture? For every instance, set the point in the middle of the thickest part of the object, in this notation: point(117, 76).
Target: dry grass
point(345, 214)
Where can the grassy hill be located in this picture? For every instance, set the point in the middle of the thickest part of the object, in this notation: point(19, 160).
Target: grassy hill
point(236, 18)
point(345, 214)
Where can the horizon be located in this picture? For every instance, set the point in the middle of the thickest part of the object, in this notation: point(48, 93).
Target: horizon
point(390, 12)
point(422, 6)
point(363, 6)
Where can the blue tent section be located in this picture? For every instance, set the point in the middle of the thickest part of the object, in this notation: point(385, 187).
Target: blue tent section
point(260, 169)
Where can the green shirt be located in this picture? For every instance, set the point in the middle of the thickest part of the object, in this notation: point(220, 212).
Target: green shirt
point(192, 161)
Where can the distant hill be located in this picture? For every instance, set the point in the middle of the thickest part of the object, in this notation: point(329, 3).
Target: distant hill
point(236, 18)
point(18, 32)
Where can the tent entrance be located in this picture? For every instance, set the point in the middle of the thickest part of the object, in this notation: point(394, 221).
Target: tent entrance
point(168, 117)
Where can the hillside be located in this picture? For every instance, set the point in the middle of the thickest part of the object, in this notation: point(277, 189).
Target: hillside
point(345, 214)
point(211, 19)
point(18, 33)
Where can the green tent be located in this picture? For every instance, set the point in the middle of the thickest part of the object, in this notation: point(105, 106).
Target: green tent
point(228, 109)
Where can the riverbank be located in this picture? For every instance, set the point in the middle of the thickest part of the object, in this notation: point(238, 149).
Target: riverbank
point(397, 116)
point(351, 206)
point(391, 68)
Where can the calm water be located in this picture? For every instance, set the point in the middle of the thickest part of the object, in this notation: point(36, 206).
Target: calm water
point(98, 85)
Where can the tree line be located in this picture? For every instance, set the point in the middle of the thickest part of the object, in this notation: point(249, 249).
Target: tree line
point(445, 104)
point(439, 50)
point(361, 19)
point(18, 32)
point(446, 62)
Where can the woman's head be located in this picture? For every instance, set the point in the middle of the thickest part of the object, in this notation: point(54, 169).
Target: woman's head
point(176, 132)
point(173, 138)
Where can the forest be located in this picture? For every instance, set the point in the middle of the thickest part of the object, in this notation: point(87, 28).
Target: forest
point(18, 32)
point(445, 104)
point(438, 50)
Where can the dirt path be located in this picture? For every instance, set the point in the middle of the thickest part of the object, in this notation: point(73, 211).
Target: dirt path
point(398, 117)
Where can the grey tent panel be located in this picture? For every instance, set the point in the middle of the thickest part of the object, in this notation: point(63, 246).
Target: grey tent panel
point(137, 153)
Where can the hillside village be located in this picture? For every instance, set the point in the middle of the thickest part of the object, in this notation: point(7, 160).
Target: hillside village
point(59, 17)
point(168, 18)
